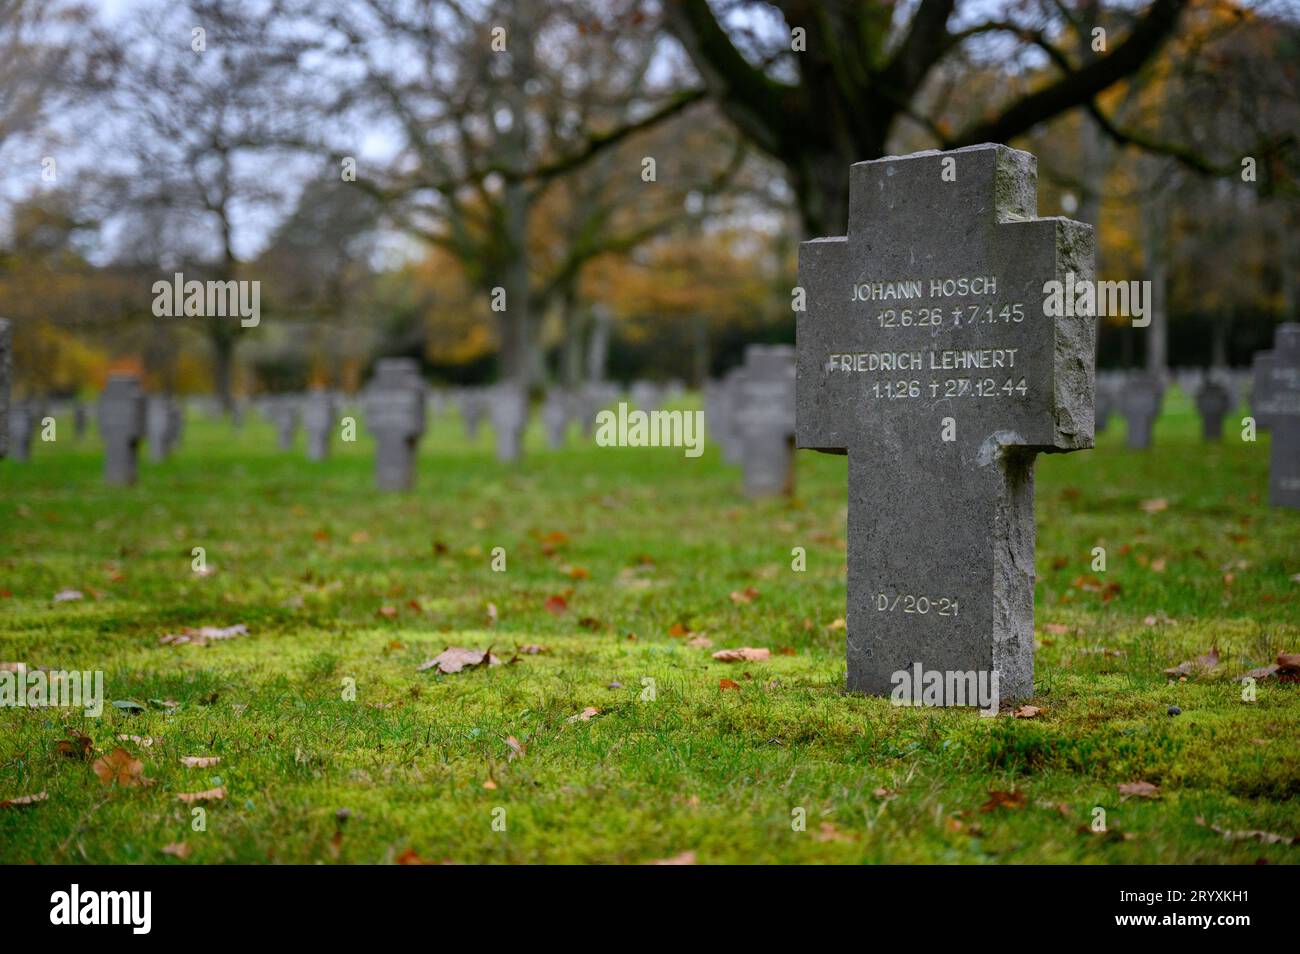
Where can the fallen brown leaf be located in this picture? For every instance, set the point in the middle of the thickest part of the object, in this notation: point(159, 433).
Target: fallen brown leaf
point(1263, 837)
point(211, 795)
point(747, 595)
point(1139, 790)
point(1193, 666)
point(77, 747)
point(178, 849)
point(203, 635)
point(119, 767)
point(743, 654)
point(23, 801)
point(556, 605)
point(1027, 712)
point(586, 715)
point(685, 858)
point(728, 684)
point(200, 761)
point(453, 659)
point(1008, 800)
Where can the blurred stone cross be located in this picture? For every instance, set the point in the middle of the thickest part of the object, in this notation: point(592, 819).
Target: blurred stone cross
point(395, 416)
point(931, 352)
point(1275, 401)
point(318, 422)
point(764, 419)
point(121, 426)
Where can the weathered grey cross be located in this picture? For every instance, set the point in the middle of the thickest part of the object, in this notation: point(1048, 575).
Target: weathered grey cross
point(926, 353)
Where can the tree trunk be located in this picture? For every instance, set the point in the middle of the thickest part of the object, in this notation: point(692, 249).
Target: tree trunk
point(1155, 254)
point(223, 364)
point(571, 351)
point(598, 344)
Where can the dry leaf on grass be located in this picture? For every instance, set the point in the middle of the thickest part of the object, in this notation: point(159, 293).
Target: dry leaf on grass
point(586, 715)
point(178, 849)
point(728, 684)
point(22, 801)
point(68, 596)
point(77, 747)
point(211, 795)
point(1193, 666)
point(747, 595)
point(1263, 837)
point(121, 768)
point(699, 641)
point(203, 635)
point(144, 741)
point(1155, 505)
point(743, 654)
point(685, 858)
point(200, 761)
point(454, 659)
point(1003, 800)
point(517, 749)
point(1139, 790)
point(1027, 712)
point(556, 605)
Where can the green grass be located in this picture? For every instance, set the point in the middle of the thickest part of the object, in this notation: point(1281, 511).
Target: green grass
point(306, 555)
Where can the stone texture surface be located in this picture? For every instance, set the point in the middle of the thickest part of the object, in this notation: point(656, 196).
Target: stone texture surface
point(395, 416)
point(121, 427)
point(941, 532)
point(1276, 399)
point(764, 418)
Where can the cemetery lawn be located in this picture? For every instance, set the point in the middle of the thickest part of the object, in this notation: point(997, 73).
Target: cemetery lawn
point(616, 560)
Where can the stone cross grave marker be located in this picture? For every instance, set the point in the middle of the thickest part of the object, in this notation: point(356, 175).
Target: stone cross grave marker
point(473, 406)
point(926, 354)
point(395, 415)
point(121, 426)
point(1139, 403)
point(556, 411)
point(509, 410)
point(283, 412)
point(22, 428)
point(728, 436)
point(158, 424)
point(646, 396)
point(1276, 400)
point(318, 422)
point(1213, 401)
point(765, 419)
point(6, 372)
